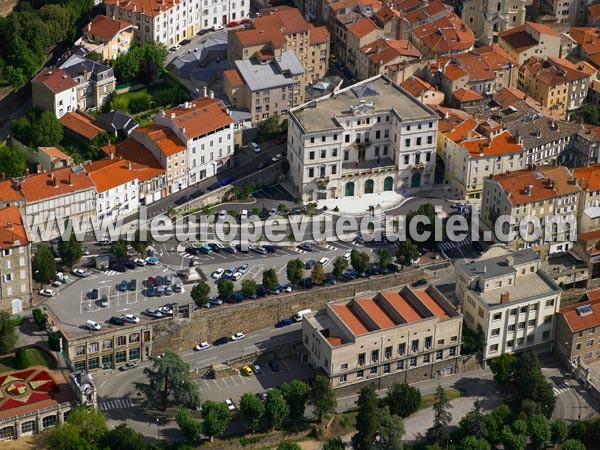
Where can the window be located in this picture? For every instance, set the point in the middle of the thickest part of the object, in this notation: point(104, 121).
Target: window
point(342, 378)
point(513, 312)
point(590, 343)
point(134, 353)
point(578, 346)
point(93, 363)
point(549, 303)
point(407, 142)
point(48, 421)
point(531, 323)
point(388, 352)
point(511, 327)
point(452, 351)
point(414, 346)
point(441, 341)
point(386, 368)
point(401, 349)
point(344, 366)
point(428, 342)
point(121, 357)
point(311, 156)
point(121, 340)
point(373, 370)
point(413, 362)
point(496, 332)
point(588, 355)
point(439, 354)
point(418, 141)
point(361, 359)
point(93, 347)
point(453, 339)
point(323, 153)
point(530, 339)
point(360, 374)
point(493, 348)
point(375, 356)
point(400, 365)
point(509, 343)
point(521, 325)
point(497, 316)
point(426, 358)
point(80, 350)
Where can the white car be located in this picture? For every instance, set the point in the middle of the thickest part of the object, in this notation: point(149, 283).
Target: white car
point(285, 288)
point(131, 318)
point(277, 157)
point(347, 257)
point(254, 146)
point(202, 346)
point(238, 336)
point(166, 310)
point(236, 276)
point(93, 325)
point(80, 273)
point(48, 292)
point(62, 277)
point(324, 261)
point(217, 274)
point(230, 404)
point(56, 283)
point(140, 262)
point(175, 47)
point(256, 368)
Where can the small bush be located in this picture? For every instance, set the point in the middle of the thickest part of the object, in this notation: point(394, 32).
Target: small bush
point(21, 359)
point(336, 209)
point(54, 341)
point(139, 103)
point(325, 208)
point(39, 317)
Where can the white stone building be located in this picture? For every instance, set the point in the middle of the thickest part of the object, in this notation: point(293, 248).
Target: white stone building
point(221, 12)
point(55, 91)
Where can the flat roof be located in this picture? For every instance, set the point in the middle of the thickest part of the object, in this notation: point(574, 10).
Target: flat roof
point(279, 72)
point(525, 286)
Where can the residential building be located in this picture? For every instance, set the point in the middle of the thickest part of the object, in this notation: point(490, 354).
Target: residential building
point(550, 194)
point(266, 89)
point(339, 14)
point(474, 150)
point(205, 128)
point(556, 83)
point(588, 43)
point(370, 137)
point(487, 18)
point(531, 39)
point(95, 81)
point(577, 335)
point(467, 99)
point(169, 151)
point(359, 34)
point(510, 298)
point(15, 264)
point(9, 192)
point(423, 91)
point(593, 15)
point(376, 57)
point(403, 337)
point(277, 30)
point(80, 126)
point(49, 158)
point(107, 36)
point(118, 123)
point(588, 211)
point(584, 148)
point(223, 12)
point(570, 12)
point(55, 91)
point(448, 35)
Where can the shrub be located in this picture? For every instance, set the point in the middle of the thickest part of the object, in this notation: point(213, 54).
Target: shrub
point(336, 209)
point(39, 317)
point(54, 341)
point(21, 359)
point(139, 103)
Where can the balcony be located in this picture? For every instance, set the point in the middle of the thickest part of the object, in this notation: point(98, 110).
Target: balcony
point(368, 167)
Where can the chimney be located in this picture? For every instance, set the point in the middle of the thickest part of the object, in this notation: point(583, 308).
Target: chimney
point(54, 183)
point(446, 115)
point(205, 91)
point(212, 94)
point(89, 27)
point(510, 260)
point(128, 165)
point(9, 225)
point(26, 171)
point(484, 269)
point(172, 115)
point(84, 74)
point(504, 298)
point(38, 168)
point(112, 154)
point(539, 133)
point(530, 189)
point(70, 179)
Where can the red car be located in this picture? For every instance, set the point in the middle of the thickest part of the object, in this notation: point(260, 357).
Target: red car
point(150, 282)
point(233, 23)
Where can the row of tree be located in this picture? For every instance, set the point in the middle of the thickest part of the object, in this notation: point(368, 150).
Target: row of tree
point(140, 64)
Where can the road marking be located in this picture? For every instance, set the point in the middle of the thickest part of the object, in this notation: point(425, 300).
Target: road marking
point(561, 388)
point(105, 281)
point(125, 309)
point(225, 382)
point(206, 383)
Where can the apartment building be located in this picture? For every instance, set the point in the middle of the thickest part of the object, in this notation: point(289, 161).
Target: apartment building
point(169, 151)
point(379, 56)
point(54, 90)
point(339, 14)
point(370, 137)
point(403, 336)
point(584, 149)
point(577, 335)
point(107, 36)
point(556, 83)
point(223, 12)
point(95, 81)
point(510, 298)
point(15, 263)
point(359, 34)
point(593, 15)
point(474, 150)
point(588, 42)
point(448, 35)
point(530, 39)
point(49, 158)
point(277, 30)
point(489, 18)
point(266, 88)
point(550, 194)
point(423, 91)
point(570, 12)
point(588, 211)
point(205, 128)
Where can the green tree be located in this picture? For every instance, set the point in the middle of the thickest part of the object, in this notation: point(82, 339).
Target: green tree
point(495, 422)
point(21, 359)
point(142, 239)
point(43, 265)
point(472, 443)
point(519, 426)
point(385, 257)
point(427, 211)
point(216, 418)
point(148, 71)
point(402, 399)
point(15, 76)
point(64, 437)
point(46, 130)
point(578, 431)
point(539, 431)
point(253, 410)
point(513, 441)
point(248, 287)
point(276, 409)
point(335, 443)
point(268, 128)
point(573, 444)
point(407, 252)
point(359, 261)
point(225, 288)
point(473, 342)
point(441, 417)
point(58, 20)
point(70, 251)
point(13, 160)
point(168, 378)
point(126, 66)
point(123, 438)
point(119, 248)
point(317, 275)
point(288, 445)
point(190, 427)
point(200, 293)
point(270, 280)
point(339, 265)
point(558, 431)
point(91, 423)
point(474, 423)
point(321, 397)
point(366, 419)
point(295, 394)
point(8, 336)
point(391, 429)
point(294, 270)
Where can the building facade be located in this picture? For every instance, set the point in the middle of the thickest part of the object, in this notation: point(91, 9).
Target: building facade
point(55, 91)
point(95, 81)
point(107, 36)
point(588, 211)
point(530, 39)
point(487, 18)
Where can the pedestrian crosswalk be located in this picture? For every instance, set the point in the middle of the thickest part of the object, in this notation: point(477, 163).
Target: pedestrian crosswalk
point(115, 404)
point(561, 388)
point(110, 272)
point(185, 254)
point(450, 244)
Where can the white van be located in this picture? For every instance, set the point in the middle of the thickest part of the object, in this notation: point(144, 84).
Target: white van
point(178, 287)
point(324, 261)
point(244, 214)
point(298, 316)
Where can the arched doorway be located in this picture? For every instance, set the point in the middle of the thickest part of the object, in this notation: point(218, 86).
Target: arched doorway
point(416, 180)
point(388, 184)
point(369, 185)
point(349, 190)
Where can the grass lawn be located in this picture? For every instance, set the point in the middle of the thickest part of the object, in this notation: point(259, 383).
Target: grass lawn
point(427, 400)
point(36, 358)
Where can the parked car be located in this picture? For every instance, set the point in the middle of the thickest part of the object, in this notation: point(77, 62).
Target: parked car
point(346, 256)
point(214, 186)
point(175, 47)
point(123, 286)
point(270, 248)
point(129, 365)
point(247, 370)
point(215, 301)
point(283, 323)
point(306, 247)
point(158, 280)
point(117, 321)
point(421, 282)
point(104, 302)
point(243, 268)
point(140, 262)
point(274, 366)
point(150, 291)
point(216, 247)
point(93, 325)
point(131, 318)
point(202, 346)
point(197, 193)
point(166, 310)
point(260, 250)
point(168, 290)
point(94, 294)
point(48, 292)
point(85, 251)
point(119, 268)
point(254, 146)
point(130, 265)
point(185, 42)
point(256, 369)
point(277, 157)
point(235, 298)
point(183, 200)
point(324, 261)
point(308, 265)
point(202, 32)
point(217, 274)
point(230, 404)
point(238, 336)
point(263, 396)
point(231, 249)
point(132, 285)
point(153, 313)
point(227, 274)
point(80, 273)
point(160, 291)
point(236, 276)
point(152, 260)
point(221, 341)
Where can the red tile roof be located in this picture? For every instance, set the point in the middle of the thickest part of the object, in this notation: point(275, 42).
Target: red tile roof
point(374, 311)
point(579, 322)
point(132, 150)
point(57, 80)
point(588, 38)
point(588, 177)
point(9, 191)
point(553, 71)
point(105, 28)
point(351, 320)
point(318, 35)
point(415, 86)
point(382, 51)
point(541, 28)
point(402, 307)
point(501, 144)
point(423, 13)
point(466, 95)
point(448, 34)
point(233, 77)
point(145, 7)
point(109, 173)
point(362, 27)
point(12, 230)
point(81, 125)
point(518, 38)
point(164, 138)
point(203, 115)
point(54, 153)
point(593, 11)
point(431, 304)
point(43, 186)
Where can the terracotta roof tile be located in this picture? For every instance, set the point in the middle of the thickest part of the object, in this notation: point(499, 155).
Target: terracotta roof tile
point(460, 132)
point(109, 173)
point(53, 184)
point(233, 77)
point(553, 71)
point(588, 177)
point(53, 152)
point(579, 322)
point(431, 304)
point(466, 95)
point(105, 28)
point(57, 80)
point(146, 7)
point(81, 125)
point(450, 118)
point(164, 138)
point(588, 38)
point(362, 27)
point(9, 191)
point(12, 230)
point(132, 150)
point(402, 307)
point(501, 144)
point(203, 115)
point(423, 13)
point(374, 312)
point(383, 51)
point(518, 38)
point(593, 11)
point(542, 28)
point(415, 86)
point(351, 320)
point(318, 35)
point(448, 34)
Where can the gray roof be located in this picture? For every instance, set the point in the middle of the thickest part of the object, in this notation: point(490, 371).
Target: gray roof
point(279, 72)
point(527, 129)
point(240, 115)
point(75, 66)
point(119, 121)
point(497, 266)
point(322, 86)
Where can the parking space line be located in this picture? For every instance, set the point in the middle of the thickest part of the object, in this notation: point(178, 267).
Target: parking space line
point(232, 378)
point(286, 365)
point(282, 269)
point(206, 383)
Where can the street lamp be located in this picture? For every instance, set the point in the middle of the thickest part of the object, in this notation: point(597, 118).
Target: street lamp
point(158, 428)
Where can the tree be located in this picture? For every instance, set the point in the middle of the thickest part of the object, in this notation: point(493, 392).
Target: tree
point(43, 265)
point(402, 399)
point(473, 342)
point(276, 409)
point(216, 418)
point(573, 444)
point(148, 71)
point(200, 293)
point(427, 210)
point(339, 265)
point(15, 76)
point(513, 441)
point(578, 431)
point(295, 394)
point(317, 275)
point(321, 397)
point(294, 270)
point(472, 443)
point(91, 423)
point(248, 287)
point(385, 257)
point(13, 160)
point(119, 248)
point(46, 130)
point(366, 419)
point(407, 252)
point(391, 430)
point(335, 443)
point(495, 422)
point(268, 128)
point(474, 423)
point(225, 288)
point(57, 20)
point(8, 336)
point(288, 445)
point(539, 431)
point(21, 359)
point(126, 66)
point(122, 438)
point(168, 378)
point(142, 239)
point(359, 261)
point(70, 251)
point(253, 410)
point(190, 427)
point(270, 280)
point(64, 437)
point(441, 417)
point(558, 431)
